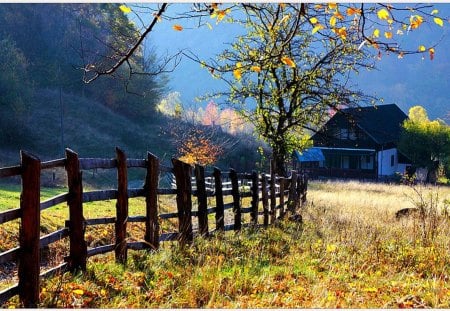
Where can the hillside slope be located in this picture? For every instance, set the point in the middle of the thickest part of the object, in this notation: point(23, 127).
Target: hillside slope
point(89, 128)
point(93, 130)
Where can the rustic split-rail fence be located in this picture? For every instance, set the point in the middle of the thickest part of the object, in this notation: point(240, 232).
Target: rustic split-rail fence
point(261, 188)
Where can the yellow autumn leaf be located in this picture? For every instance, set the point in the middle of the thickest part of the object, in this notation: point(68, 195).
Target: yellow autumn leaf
point(317, 28)
point(177, 27)
point(376, 33)
point(388, 35)
point(333, 21)
point(313, 20)
point(209, 26)
point(237, 74)
point(415, 21)
point(338, 15)
point(435, 11)
point(287, 61)
point(439, 21)
point(342, 32)
point(255, 68)
point(332, 6)
point(78, 292)
point(383, 14)
point(125, 9)
point(422, 48)
point(353, 11)
point(220, 15)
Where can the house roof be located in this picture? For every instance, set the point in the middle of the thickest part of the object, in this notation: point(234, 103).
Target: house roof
point(382, 123)
point(313, 154)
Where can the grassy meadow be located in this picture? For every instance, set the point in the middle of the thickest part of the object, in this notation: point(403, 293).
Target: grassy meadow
point(350, 252)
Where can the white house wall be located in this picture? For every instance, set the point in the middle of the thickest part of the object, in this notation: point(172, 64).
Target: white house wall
point(385, 167)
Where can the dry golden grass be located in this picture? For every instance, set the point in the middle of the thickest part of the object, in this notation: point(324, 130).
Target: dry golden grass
point(350, 252)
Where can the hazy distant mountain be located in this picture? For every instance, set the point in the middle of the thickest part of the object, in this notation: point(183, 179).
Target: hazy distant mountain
point(406, 82)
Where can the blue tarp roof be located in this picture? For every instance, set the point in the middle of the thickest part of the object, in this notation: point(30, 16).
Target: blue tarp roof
point(310, 155)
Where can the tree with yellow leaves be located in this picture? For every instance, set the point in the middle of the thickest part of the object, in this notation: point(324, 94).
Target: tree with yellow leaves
point(425, 142)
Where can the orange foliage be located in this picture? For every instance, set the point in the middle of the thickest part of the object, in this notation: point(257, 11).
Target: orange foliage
point(198, 149)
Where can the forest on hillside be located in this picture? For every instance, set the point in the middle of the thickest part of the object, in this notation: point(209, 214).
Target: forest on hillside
point(46, 105)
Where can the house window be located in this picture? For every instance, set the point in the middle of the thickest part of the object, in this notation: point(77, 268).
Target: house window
point(392, 160)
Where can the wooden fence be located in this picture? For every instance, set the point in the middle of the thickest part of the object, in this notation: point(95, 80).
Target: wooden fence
point(291, 192)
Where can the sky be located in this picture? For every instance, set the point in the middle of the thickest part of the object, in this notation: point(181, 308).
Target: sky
point(406, 82)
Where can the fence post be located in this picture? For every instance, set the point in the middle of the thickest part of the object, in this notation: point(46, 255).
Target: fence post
point(78, 246)
point(282, 210)
point(121, 207)
point(151, 201)
point(182, 173)
point(292, 189)
point(220, 221)
point(304, 189)
point(236, 200)
point(29, 231)
point(273, 197)
point(265, 199)
point(202, 200)
point(255, 198)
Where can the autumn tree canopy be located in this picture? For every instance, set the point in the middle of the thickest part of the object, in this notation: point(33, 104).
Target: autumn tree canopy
point(426, 142)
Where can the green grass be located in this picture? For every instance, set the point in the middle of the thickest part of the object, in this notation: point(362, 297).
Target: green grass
point(350, 252)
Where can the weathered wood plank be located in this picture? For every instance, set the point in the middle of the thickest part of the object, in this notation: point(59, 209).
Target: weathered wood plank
point(99, 195)
point(255, 198)
point(292, 191)
point(167, 191)
point(172, 236)
point(100, 221)
point(202, 200)
point(100, 250)
point(273, 199)
point(246, 210)
point(182, 173)
point(53, 237)
point(92, 163)
point(9, 215)
point(137, 218)
point(121, 207)
point(136, 163)
point(78, 246)
point(58, 199)
point(137, 246)
point(265, 200)
point(236, 200)
point(168, 215)
point(8, 293)
point(10, 171)
point(136, 192)
point(10, 255)
point(220, 220)
point(53, 164)
point(30, 231)
point(281, 195)
point(151, 201)
point(55, 270)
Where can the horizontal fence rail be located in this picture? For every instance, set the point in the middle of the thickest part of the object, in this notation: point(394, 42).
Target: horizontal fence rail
point(275, 195)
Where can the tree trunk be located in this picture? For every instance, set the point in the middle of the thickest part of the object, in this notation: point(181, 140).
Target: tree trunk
point(280, 164)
